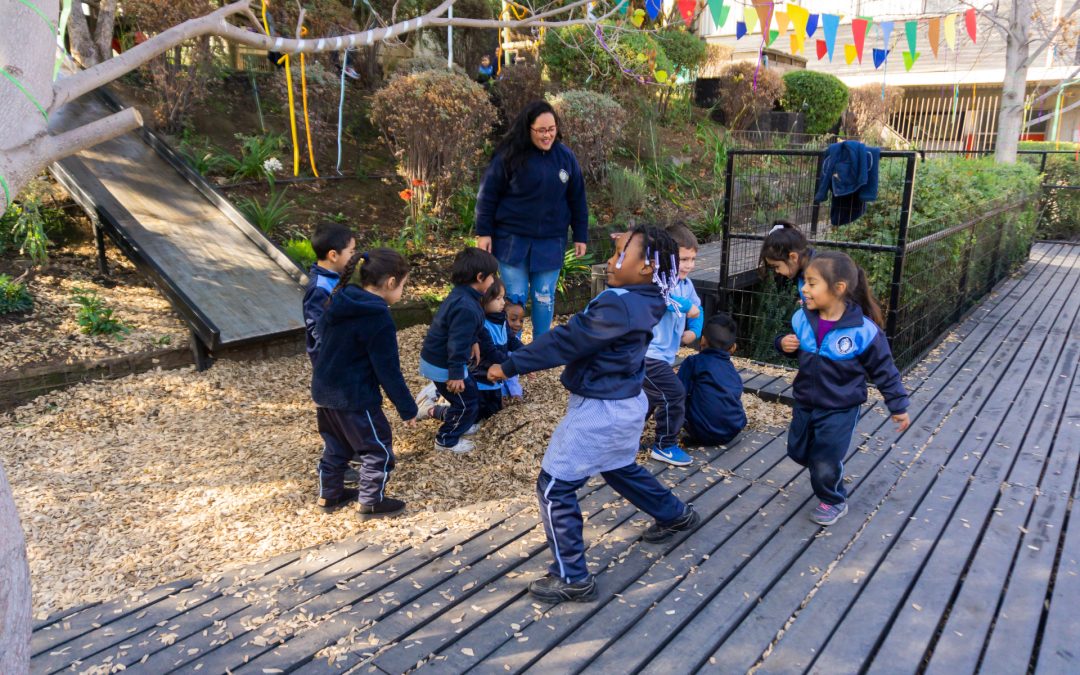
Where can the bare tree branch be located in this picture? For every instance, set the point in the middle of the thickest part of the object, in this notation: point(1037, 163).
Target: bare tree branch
point(1049, 39)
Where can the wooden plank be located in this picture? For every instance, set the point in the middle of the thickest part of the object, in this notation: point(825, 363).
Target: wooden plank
point(1058, 652)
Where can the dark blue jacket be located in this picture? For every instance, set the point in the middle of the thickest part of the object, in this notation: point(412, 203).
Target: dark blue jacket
point(453, 331)
point(496, 343)
point(603, 347)
point(527, 213)
point(850, 171)
point(321, 284)
point(359, 353)
point(714, 408)
point(833, 375)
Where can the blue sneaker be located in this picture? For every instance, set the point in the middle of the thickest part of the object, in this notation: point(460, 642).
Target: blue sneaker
point(827, 514)
point(672, 454)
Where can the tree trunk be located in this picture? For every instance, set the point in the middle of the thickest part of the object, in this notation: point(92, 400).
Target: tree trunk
point(1014, 87)
point(82, 45)
point(103, 28)
point(14, 587)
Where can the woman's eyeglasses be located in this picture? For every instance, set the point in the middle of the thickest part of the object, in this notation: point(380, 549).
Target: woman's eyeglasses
point(545, 132)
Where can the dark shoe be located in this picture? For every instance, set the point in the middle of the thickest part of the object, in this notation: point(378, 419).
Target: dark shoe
point(550, 588)
point(352, 476)
point(348, 495)
point(387, 507)
point(657, 533)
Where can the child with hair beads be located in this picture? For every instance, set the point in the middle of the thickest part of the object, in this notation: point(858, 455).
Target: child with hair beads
point(838, 341)
point(449, 347)
point(497, 343)
point(360, 355)
point(714, 409)
point(681, 325)
point(603, 348)
point(786, 252)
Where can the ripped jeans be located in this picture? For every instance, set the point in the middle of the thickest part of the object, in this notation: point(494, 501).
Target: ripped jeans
point(520, 281)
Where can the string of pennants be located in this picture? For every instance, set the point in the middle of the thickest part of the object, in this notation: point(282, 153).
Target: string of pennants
point(804, 25)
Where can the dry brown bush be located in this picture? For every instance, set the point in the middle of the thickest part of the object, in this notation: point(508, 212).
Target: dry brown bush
point(518, 85)
point(739, 101)
point(868, 110)
point(592, 125)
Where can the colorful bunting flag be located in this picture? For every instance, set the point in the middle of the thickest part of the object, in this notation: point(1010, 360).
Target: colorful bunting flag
point(799, 17)
point(950, 31)
point(935, 34)
point(912, 30)
point(686, 9)
point(740, 29)
point(811, 24)
point(829, 24)
point(719, 12)
point(653, 8)
point(879, 57)
point(909, 59)
point(969, 21)
point(772, 37)
point(764, 9)
point(850, 52)
point(638, 17)
point(858, 31)
point(782, 22)
point(797, 43)
point(886, 32)
point(822, 50)
point(749, 18)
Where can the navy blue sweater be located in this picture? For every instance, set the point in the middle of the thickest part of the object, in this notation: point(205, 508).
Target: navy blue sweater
point(603, 347)
point(359, 353)
point(496, 343)
point(714, 409)
point(543, 196)
point(453, 331)
point(833, 375)
point(321, 284)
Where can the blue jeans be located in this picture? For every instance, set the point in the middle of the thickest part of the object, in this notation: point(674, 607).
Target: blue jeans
point(540, 286)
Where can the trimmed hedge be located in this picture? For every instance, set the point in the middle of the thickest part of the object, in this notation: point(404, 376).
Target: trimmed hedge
point(1060, 209)
point(820, 97)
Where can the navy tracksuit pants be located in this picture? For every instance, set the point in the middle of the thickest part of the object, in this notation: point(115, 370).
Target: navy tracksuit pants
point(460, 415)
point(363, 435)
point(561, 512)
point(667, 401)
point(490, 402)
point(819, 440)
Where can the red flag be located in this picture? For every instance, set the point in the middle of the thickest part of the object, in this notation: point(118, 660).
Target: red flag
point(822, 49)
point(969, 21)
point(686, 8)
point(858, 31)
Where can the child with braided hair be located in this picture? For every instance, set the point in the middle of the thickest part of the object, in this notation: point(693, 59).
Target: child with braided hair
point(603, 348)
point(359, 355)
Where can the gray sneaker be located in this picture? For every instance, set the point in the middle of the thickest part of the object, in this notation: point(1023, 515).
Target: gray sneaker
point(827, 514)
point(463, 445)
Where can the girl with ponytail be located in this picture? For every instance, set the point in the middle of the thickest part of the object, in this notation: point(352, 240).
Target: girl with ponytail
point(358, 360)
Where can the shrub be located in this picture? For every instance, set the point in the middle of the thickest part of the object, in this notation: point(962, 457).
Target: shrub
point(300, 252)
point(519, 84)
point(423, 64)
point(591, 125)
point(256, 153)
point(573, 268)
point(868, 111)
point(573, 57)
point(94, 318)
point(739, 102)
point(685, 50)
point(627, 189)
point(269, 216)
point(435, 123)
point(1060, 209)
point(13, 296)
point(820, 97)
point(24, 226)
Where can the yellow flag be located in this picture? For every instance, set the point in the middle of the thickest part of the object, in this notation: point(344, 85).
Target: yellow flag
point(850, 53)
point(750, 18)
point(799, 17)
point(950, 31)
point(782, 22)
point(797, 42)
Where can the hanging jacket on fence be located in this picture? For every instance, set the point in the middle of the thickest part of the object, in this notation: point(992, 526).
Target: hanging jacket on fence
point(850, 172)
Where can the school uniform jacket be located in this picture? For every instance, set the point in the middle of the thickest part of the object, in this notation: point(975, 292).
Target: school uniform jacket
point(453, 332)
point(713, 394)
point(603, 347)
point(833, 375)
point(496, 344)
point(321, 284)
point(359, 354)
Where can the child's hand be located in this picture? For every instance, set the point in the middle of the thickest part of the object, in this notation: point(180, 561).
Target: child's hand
point(495, 373)
point(410, 422)
point(789, 343)
point(693, 313)
point(455, 386)
point(474, 359)
point(902, 422)
point(688, 337)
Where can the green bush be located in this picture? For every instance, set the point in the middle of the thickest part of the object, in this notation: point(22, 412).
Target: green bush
point(627, 189)
point(685, 50)
point(592, 126)
point(25, 225)
point(573, 57)
point(301, 252)
point(13, 296)
point(820, 97)
point(1059, 209)
point(257, 157)
point(269, 216)
point(574, 268)
point(94, 318)
point(739, 102)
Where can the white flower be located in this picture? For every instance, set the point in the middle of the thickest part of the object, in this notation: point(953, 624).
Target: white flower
point(271, 165)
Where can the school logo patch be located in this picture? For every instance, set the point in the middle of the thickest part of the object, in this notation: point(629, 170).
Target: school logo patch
point(844, 345)
point(563, 175)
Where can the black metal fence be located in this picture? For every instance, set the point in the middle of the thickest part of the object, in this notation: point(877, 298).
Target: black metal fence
point(926, 275)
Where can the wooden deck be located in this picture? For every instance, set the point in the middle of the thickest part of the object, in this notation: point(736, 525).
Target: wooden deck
point(959, 553)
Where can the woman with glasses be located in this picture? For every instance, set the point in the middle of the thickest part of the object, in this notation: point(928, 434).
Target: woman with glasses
point(531, 193)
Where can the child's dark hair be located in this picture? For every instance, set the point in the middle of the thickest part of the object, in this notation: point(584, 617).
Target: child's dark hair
point(720, 331)
point(496, 289)
point(372, 268)
point(330, 237)
point(661, 252)
point(470, 263)
point(834, 267)
point(783, 239)
point(683, 236)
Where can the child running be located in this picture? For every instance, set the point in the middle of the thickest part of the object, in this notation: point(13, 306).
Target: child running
point(359, 354)
point(786, 252)
point(334, 245)
point(448, 349)
point(603, 348)
point(501, 344)
point(667, 396)
point(714, 409)
point(838, 342)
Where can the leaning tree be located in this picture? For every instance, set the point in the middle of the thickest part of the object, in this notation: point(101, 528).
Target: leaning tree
point(29, 94)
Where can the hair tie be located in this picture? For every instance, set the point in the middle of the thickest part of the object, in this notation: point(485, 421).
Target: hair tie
point(778, 226)
point(365, 257)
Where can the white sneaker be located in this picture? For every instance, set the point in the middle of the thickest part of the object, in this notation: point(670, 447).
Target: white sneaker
point(425, 401)
point(471, 431)
point(463, 445)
